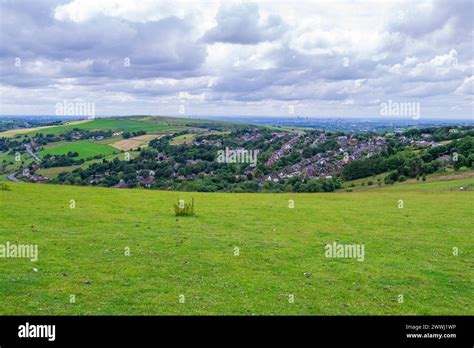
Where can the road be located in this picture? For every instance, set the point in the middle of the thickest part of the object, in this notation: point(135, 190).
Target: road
point(32, 154)
point(12, 177)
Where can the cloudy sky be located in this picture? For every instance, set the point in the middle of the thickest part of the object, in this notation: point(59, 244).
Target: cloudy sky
point(265, 58)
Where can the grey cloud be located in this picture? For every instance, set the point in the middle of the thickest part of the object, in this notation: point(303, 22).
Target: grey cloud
point(240, 24)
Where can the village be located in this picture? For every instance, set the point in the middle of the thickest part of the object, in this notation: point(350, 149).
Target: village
point(279, 155)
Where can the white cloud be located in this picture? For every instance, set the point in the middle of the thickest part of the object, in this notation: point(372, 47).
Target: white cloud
point(467, 86)
point(239, 56)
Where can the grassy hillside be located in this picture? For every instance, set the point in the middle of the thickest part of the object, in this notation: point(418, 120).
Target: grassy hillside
point(114, 124)
point(455, 178)
point(408, 251)
point(9, 161)
point(156, 124)
point(22, 131)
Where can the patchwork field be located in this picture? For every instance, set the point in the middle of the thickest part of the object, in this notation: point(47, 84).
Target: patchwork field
point(84, 148)
point(242, 254)
point(135, 142)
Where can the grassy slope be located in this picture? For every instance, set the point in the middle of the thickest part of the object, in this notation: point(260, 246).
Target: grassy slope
point(408, 251)
point(84, 148)
point(25, 160)
point(437, 178)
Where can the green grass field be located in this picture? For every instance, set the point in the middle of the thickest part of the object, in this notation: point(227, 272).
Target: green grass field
point(84, 148)
point(408, 252)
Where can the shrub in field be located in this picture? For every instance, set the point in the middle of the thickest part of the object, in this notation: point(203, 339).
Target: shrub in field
point(184, 209)
point(4, 187)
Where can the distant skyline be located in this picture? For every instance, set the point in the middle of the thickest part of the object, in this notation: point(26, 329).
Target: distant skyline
point(216, 58)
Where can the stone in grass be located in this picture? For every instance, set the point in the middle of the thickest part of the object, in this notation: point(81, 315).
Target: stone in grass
point(87, 281)
point(307, 275)
point(35, 269)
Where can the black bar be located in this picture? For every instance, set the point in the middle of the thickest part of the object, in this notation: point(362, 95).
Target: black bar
point(195, 330)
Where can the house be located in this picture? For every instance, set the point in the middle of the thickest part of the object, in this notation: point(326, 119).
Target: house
point(121, 184)
point(445, 160)
point(342, 140)
point(161, 156)
point(147, 182)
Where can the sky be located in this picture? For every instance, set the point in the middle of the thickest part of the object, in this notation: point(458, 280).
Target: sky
point(217, 58)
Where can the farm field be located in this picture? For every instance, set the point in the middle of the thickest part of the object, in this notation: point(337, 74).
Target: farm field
point(84, 148)
point(135, 142)
point(82, 252)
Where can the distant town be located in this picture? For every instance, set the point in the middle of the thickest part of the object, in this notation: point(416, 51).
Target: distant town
point(156, 153)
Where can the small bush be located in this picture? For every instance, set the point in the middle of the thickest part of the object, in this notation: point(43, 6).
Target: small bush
point(4, 187)
point(370, 183)
point(402, 178)
point(184, 209)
